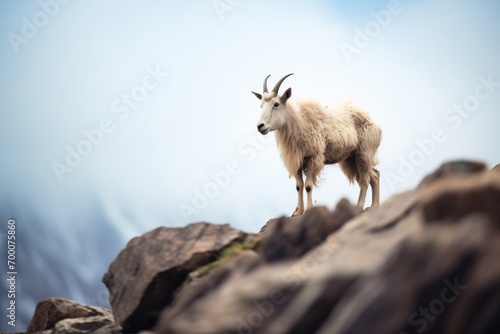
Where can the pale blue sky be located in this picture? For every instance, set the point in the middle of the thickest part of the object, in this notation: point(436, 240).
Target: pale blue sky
point(163, 149)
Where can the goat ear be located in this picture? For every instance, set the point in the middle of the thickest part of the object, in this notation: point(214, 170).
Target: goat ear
point(258, 95)
point(286, 95)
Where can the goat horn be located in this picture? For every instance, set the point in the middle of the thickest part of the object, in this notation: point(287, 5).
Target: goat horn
point(278, 84)
point(265, 83)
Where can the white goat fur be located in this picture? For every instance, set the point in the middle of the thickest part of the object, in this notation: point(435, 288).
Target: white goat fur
point(310, 136)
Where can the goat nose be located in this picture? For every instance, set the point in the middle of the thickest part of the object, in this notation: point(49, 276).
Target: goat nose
point(260, 126)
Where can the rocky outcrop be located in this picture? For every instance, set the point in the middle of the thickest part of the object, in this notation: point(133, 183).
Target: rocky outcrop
point(454, 168)
point(59, 315)
point(291, 237)
point(144, 277)
point(425, 261)
point(408, 266)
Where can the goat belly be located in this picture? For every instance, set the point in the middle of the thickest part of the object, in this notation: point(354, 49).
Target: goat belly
point(333, 156)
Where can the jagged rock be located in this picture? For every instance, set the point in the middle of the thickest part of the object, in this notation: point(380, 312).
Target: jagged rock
point(458, 196)
point(496, 170)
point(463, 167)
point(143, 278)
point(384, 271)
point(292, 237)
point(419, 287)
point(51, 314)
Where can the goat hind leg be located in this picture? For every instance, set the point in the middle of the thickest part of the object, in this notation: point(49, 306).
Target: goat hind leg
point(375, 185)
point(363, 182)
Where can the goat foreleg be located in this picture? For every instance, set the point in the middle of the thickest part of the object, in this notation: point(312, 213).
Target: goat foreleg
point(313, 169)
point(299, 185)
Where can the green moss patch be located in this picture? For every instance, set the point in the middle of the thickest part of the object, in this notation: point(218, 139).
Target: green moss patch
point(227, 253)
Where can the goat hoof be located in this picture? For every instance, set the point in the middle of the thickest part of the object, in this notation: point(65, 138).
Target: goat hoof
point(370, 208)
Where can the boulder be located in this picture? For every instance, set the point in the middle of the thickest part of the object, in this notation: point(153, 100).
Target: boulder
point(453, 198)
point(95, 325)
point(145, 276)
point(60, 315)
point(458, 167)
point(291, 237)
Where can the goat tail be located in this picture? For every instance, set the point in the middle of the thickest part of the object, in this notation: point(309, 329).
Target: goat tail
point(350, 168)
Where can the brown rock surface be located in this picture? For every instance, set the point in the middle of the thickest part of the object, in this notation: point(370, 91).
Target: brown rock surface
point(453, 168)
point(407, 266)
point(496, 169)
point(425, 261)
point(458, 196)
point(51, 313)
point(292, 237)
point(143, 278)
point(95, 325)
point(418, 288)
point(238, 266)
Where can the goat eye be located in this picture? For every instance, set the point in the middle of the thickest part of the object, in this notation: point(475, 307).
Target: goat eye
point(276, 104)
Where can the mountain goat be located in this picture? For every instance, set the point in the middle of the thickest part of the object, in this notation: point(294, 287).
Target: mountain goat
point(310, 136)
